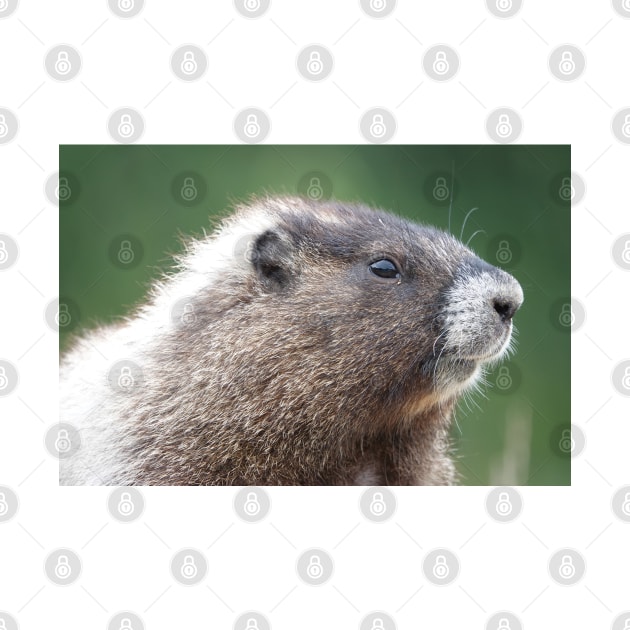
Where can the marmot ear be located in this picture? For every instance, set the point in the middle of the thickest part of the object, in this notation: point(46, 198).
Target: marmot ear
point(271, 258)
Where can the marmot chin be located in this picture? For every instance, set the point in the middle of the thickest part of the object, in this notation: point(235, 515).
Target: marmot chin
point(302, 343)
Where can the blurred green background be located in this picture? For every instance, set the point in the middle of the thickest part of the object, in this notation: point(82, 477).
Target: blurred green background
point(141, 198)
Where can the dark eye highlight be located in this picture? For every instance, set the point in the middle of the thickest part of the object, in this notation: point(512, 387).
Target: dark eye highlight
point(385, 269)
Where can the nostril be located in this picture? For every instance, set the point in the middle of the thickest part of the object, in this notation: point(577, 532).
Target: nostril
point(505, 308)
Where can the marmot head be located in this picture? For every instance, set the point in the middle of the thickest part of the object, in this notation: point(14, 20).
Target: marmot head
point(379, 310)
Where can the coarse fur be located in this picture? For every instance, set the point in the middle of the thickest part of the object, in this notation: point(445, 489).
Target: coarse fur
point(276, 355)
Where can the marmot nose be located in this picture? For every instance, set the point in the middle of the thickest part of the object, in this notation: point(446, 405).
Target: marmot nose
point(507, 298)
point(505, 307)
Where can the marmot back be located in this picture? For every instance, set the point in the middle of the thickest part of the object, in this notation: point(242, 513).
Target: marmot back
point(301, 343)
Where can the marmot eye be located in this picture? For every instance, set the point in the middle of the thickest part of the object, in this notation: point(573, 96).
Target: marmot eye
point(385, 269)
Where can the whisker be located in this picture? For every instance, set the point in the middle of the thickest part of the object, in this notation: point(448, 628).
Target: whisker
point(461, 234)
point(473, 236)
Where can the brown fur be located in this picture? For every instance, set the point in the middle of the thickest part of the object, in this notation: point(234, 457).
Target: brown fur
point(300, 366)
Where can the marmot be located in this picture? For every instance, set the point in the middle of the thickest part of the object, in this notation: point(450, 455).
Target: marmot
point(302, 343)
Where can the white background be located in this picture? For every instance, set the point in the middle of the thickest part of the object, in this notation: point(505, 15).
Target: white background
point(252, 63)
